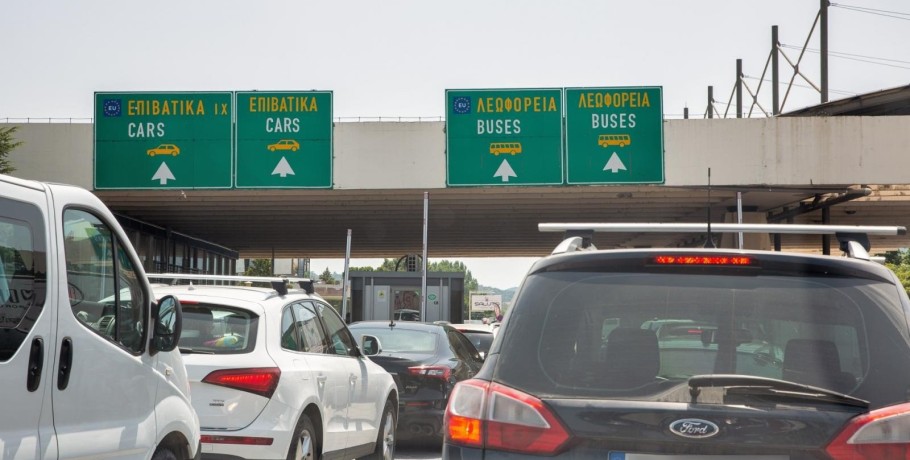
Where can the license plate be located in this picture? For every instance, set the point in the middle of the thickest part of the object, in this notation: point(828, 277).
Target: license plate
point(634, 456)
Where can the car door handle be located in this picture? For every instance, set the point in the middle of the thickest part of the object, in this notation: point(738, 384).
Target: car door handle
point(35, 364)
point(66, 363)
point(353, 379)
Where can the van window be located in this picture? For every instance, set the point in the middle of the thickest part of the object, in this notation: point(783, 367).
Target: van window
point(23, 262)
point(105, 292)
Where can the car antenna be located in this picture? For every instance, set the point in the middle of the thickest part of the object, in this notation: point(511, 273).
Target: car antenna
point(709, 243)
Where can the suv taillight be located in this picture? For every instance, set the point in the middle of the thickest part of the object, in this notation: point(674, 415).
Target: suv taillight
point(879, 434)
point(489, 415)
point(259, 380)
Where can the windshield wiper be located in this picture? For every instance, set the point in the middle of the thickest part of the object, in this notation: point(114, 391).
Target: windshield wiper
point(770, 390)
point(192, 350)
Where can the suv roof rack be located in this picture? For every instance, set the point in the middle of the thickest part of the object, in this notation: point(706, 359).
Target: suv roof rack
point(853, 239)
point(279, 283)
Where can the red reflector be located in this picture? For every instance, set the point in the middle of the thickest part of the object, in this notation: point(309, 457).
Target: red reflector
point(260, 380)
point(247, 440)
point(703, 260)
point(418, 404)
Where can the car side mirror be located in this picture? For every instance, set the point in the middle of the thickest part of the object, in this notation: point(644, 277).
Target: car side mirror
point(168, 320)
point(370, 345)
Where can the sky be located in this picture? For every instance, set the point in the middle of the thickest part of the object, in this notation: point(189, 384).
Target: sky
point(396, 58)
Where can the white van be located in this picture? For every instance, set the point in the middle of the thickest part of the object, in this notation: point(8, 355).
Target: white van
point(87, 361)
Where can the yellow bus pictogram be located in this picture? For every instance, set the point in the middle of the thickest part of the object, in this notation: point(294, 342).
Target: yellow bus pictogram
point(606, 140)
point(512, 148)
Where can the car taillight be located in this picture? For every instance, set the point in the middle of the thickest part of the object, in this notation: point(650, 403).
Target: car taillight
point(440, 372)
point(261, 380)
point(489, 415)
point(879, 434)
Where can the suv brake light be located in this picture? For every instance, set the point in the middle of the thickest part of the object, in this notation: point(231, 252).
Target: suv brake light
point(882, 433)
point(483, 414)
point(259, 380)
point(694, 259)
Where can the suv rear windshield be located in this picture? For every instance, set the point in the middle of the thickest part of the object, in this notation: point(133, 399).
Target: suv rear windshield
point(214, 329)
point(637, 334)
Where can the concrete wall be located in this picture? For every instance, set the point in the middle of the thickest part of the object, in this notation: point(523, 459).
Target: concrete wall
point(396, 155)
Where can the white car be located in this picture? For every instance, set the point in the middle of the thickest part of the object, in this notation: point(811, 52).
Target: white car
point(275, 373)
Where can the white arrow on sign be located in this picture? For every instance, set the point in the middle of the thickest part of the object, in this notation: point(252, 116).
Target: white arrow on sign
point(505, 171)
point(283, 168)
point(614, 164)
point(163, 174)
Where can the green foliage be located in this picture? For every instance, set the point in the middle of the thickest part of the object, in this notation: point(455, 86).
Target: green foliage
point(7, 144)
point(327, 277)
point(259, 267)
point(899, 263)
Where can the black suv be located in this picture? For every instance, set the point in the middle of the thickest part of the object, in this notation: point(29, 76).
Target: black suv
point(684, 354)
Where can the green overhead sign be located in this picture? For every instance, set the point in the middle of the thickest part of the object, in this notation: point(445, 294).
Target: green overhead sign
point(163, 140)
point(614, 135)
point(284, 139)
point(504, 137)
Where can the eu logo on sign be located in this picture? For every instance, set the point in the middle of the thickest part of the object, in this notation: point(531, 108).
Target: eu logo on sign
point(461, 105)
point(112, 107)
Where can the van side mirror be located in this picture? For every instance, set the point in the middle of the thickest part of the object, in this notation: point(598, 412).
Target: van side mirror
point(168, 320)
point(370, 345)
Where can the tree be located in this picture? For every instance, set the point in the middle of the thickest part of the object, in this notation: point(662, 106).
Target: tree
point(259, 267)
point(899, 263)
point(327, 277)
point(7, 144)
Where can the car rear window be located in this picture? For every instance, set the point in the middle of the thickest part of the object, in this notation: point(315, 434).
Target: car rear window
point(636, 333)
point(217, 329)
point(400, 340)
point(481, 340)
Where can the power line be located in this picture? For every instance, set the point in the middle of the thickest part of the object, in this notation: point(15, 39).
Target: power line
point(842, 54)
point(845, 93)
point(883, 13)
point(860, 58)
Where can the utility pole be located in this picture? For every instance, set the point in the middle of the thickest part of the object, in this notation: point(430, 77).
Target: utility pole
point(710, 102)
point(739, 88)
point(775, 88)
point(824, 48)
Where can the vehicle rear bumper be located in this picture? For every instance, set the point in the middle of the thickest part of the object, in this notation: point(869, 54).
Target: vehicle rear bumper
point(420, 423)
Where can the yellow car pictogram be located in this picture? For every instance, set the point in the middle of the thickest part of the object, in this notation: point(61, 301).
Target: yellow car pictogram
point(164, 149)
point(284, 144)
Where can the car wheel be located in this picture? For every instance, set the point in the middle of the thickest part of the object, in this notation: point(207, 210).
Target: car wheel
point(303, 444)
point(385, 442)
point(271, 149)
point(165, 453)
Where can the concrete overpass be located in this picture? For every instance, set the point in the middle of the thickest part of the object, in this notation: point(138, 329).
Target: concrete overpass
point(787, 167)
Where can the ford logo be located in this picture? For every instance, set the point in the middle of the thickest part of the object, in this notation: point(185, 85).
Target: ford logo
point(694, 428)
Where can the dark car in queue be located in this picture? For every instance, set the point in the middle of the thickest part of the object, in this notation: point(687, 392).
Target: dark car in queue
point(426, 361)
point(684, 354)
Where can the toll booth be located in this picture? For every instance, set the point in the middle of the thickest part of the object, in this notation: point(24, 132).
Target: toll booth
point(387, 295)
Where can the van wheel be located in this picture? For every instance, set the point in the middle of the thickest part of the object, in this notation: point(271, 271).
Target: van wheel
point(303, 444)
point(165, 453)
point(385, 442)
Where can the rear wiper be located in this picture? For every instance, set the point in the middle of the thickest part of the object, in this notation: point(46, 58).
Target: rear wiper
point(192, 350)
point(770, 390)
